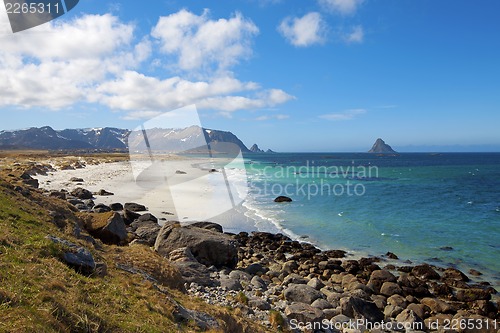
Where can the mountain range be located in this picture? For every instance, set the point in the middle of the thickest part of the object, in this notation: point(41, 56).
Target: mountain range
point(109, 138)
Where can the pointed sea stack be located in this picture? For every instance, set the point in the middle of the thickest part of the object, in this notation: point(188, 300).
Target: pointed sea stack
point(381, 147)
point(256, 149)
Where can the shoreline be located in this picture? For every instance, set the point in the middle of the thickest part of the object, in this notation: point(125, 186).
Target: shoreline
point(117, 177)
point(260, 272)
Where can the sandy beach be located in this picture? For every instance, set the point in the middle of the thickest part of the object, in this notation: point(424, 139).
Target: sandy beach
point(172, 188)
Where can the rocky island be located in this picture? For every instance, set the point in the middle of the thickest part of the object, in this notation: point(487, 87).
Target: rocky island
point(381, 147)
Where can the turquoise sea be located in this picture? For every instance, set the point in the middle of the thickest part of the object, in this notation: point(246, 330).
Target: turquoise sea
point(443, 209)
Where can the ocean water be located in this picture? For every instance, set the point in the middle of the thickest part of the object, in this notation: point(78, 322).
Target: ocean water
point(443, 209)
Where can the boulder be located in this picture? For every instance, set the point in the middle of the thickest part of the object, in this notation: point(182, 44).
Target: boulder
point(58, 194)
point(116, 206)
point(148, 232)
point(418, 309)
point(391, 311)
point(303, 313)
point(436, 305)
point(230, 284)
point(390, 288)
point(282, 198)
point(100, 208)
point(335, 254)
point(397, 300)
point(315, 283)
point(81, 193)
point(207, 225)
point(258, 303)
point(408, 317)
point(258, 283)
point(425, 272)
point(135, 207)
point(129, 216)
point(207, 246)
point(75, 202)
point(240, 275)
point(102, 192)
point(357, 308)
point(76, 179)
point(255, 268)
point(454, 274)
point(293, 278)
point(76, 256)
point(190, 269)
point(378, 278)
point(28, 180)
point(301, 293)
point(472, 294)
point(111, 230)
point(321, 304)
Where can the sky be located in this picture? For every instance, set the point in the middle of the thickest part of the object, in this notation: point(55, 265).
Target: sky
point(289, 75)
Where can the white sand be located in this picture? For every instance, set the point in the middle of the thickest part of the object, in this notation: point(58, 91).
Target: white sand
point(197, 195)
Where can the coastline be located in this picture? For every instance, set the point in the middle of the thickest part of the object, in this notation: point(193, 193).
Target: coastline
point(118, 178)
point(263, 272)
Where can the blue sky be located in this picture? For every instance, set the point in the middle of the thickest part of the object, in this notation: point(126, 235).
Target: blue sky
point(304, 75)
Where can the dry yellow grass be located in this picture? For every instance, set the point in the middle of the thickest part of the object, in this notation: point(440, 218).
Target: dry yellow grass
point(39, 293)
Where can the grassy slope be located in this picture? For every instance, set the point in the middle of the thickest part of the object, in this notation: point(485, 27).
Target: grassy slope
point(39, 293)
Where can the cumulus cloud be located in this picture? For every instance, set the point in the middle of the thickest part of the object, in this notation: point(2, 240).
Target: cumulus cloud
point(356, 35)
point(98, 59)
point(198, 42)
point(304, 31)
point(345, 115)
point(52, 65)
point(343, 7)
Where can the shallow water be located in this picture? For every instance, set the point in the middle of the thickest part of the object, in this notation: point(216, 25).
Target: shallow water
point(439, 208)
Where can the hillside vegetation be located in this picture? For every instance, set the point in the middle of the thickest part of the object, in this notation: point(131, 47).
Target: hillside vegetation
point(134, 289)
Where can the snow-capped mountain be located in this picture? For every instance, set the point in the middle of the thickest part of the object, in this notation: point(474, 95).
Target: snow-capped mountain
point(171, 140)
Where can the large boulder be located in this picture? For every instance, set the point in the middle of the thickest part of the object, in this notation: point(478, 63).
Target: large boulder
point(378, 278)
point(208, 247)
point(425, 272)
point(301, 293)
point(454, 274)
point(207, 225)
point(81, 193)
point(108, 227)
point(135, 207)
point(146, 228)
point(303, 313)
point(358, 308)
point(190, 269)
point(76, 256)
point(282, 198)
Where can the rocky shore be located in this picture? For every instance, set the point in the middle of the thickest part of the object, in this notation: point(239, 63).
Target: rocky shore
point(289, 285)
point(286, 284)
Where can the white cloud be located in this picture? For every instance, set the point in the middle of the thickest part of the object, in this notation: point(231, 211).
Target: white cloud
point(344, 7)
point(97, 59)
point(304, 31)
point(356, 35)
point(275, 116)
point(53, 64)
point(135, 91)
point(200, 43)
point(346, 115)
